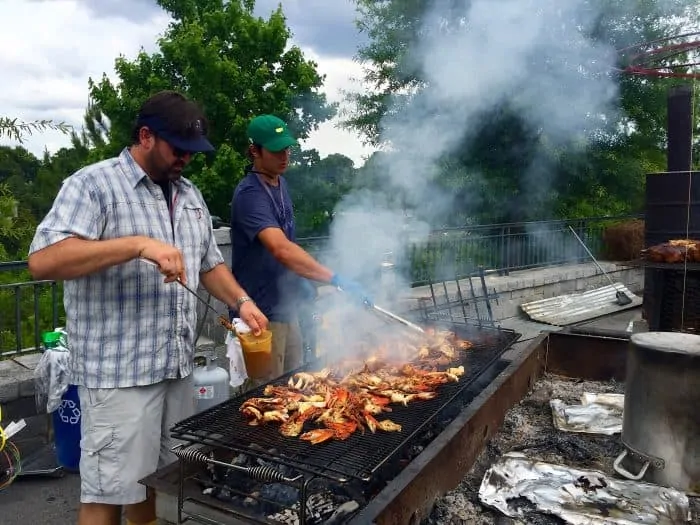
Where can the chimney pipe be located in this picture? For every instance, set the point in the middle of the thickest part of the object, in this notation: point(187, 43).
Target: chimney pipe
point(680, 128)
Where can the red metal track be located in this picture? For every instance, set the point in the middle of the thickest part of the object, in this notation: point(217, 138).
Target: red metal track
point(650, 58)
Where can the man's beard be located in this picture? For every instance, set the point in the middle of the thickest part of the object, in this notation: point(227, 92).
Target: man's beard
point(161, 171)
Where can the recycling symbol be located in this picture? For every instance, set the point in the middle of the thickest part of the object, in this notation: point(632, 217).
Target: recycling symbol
point(69, 412)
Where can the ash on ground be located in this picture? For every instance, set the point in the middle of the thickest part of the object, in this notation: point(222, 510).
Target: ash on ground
point(528, 428)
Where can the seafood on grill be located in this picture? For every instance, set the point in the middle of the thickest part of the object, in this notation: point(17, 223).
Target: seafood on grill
point(674, 251)
point(356, 395)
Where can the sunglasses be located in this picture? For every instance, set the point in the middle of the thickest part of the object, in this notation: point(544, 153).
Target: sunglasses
point(180, 153)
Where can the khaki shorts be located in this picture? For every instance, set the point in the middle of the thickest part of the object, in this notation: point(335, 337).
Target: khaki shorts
point(126, 437)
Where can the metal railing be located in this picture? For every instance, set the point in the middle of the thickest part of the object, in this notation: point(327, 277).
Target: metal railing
point(501, 248)
point(506, 247)
point(27, 307)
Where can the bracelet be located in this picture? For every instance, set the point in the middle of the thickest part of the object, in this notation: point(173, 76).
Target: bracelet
point(242, 300)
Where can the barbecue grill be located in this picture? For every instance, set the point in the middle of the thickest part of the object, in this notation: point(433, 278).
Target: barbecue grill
point(256, 473)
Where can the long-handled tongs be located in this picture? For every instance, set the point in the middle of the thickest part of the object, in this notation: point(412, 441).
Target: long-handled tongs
point(221, 318)
point(398, 319)
point(392, 316)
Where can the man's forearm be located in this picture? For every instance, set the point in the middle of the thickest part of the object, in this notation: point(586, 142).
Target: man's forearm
point(220, 282)
point(298, 260)
point(73, 258)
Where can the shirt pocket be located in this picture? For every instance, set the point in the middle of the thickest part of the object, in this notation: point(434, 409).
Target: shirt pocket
point(194, 229)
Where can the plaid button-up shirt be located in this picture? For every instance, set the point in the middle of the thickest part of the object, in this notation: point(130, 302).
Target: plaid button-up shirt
point(125, 326)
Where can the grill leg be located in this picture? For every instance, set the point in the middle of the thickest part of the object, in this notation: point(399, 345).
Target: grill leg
point(302, 501)
point(181, 491)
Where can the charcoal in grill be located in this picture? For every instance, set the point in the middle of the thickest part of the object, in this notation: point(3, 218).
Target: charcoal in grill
point(322, 509)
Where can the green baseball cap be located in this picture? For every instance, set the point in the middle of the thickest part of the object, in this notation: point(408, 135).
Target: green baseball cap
point(270, 132)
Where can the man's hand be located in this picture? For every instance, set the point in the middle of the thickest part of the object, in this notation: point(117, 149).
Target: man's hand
point(253, 317)
point(168, 258)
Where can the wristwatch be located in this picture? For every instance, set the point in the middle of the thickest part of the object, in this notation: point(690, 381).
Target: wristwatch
point(242, 300)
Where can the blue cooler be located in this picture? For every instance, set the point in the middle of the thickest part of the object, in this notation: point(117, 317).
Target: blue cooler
point(66, 429)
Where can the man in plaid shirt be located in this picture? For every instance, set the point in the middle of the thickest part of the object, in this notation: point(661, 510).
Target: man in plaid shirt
point(131, 330)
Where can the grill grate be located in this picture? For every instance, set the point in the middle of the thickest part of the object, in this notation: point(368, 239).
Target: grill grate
point(360, 456)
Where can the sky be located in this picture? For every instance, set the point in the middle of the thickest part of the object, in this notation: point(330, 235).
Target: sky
point(45, 75)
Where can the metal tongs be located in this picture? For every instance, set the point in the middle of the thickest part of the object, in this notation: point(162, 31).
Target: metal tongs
point(199, 297)
point(398, 319)
point(390, 315)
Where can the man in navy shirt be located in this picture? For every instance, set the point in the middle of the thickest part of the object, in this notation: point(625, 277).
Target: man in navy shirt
point(266, 260)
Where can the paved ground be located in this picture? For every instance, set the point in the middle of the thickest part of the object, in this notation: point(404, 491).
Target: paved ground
point(39, 500)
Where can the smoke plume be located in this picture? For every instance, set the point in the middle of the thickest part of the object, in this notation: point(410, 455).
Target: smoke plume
point(473, 56)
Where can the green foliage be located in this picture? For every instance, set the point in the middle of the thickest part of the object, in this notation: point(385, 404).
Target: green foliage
point(27, 188)
point(31, 307)
point(27, 306)
point(316, 186)
point(236, 65)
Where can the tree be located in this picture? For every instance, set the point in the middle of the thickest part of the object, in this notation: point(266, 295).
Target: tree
point(601, 173)
point(17, 130)
point(236, 65)
point(316, 185)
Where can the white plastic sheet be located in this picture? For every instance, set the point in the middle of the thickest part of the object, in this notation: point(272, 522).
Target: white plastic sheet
point(237, 370)
point(516, 484)
point(597, 414)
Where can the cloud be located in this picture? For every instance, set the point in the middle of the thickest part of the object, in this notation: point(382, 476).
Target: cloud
point(320, 24)
point(46, 77)
point(341, 75)
point(132, 10)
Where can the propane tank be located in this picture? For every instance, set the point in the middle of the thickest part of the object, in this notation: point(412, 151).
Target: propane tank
point(210, 382)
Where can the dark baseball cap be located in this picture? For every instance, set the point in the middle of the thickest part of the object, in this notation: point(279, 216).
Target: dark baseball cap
point(271, 133)
point(177, 120)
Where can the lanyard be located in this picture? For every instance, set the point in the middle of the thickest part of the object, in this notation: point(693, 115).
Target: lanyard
point(279, 208)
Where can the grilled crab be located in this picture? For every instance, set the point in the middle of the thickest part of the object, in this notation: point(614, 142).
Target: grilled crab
point(350, 396)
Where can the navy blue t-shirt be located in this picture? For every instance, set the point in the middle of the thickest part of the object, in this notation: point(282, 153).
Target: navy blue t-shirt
point(255, 206)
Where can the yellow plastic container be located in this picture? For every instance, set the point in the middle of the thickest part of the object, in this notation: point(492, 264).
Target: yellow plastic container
point(257, 353)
